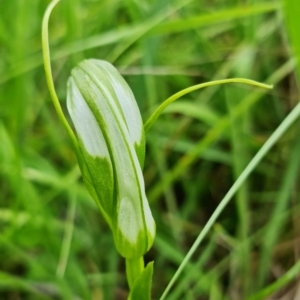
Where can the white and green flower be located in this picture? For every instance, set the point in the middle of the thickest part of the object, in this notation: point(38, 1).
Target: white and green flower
point(112, 149)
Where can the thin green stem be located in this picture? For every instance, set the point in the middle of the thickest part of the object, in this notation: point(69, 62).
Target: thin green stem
point(288, 121)
point(134, 268)
point(190, 89)
point(49, 77)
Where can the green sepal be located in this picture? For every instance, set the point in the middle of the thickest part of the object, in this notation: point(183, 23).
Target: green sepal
point(142, 286)
point(97, 174)
point(132, 250)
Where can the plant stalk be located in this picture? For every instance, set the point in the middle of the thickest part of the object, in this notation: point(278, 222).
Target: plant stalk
point(134, 268)
point(49, 77)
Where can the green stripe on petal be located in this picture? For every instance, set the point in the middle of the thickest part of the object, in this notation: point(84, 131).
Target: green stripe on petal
point(112, 140)
point(104, 72)
point(97, 170)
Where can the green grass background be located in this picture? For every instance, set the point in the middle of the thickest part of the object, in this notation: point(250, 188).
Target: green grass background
point(54, 244)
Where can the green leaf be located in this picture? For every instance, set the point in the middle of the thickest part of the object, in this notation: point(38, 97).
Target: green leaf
point(142, 287)
point(112, 147)
point(291, 10)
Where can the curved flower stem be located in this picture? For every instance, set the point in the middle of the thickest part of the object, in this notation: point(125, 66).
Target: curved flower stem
point(134, 268)
point(49, 77)
point(190, 89)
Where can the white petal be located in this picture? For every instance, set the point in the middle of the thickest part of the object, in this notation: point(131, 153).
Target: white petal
point(127, 221)
point(126, 100)
point(85, 123)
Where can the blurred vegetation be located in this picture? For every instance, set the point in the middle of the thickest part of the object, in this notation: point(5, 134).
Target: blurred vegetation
point(53, 242)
